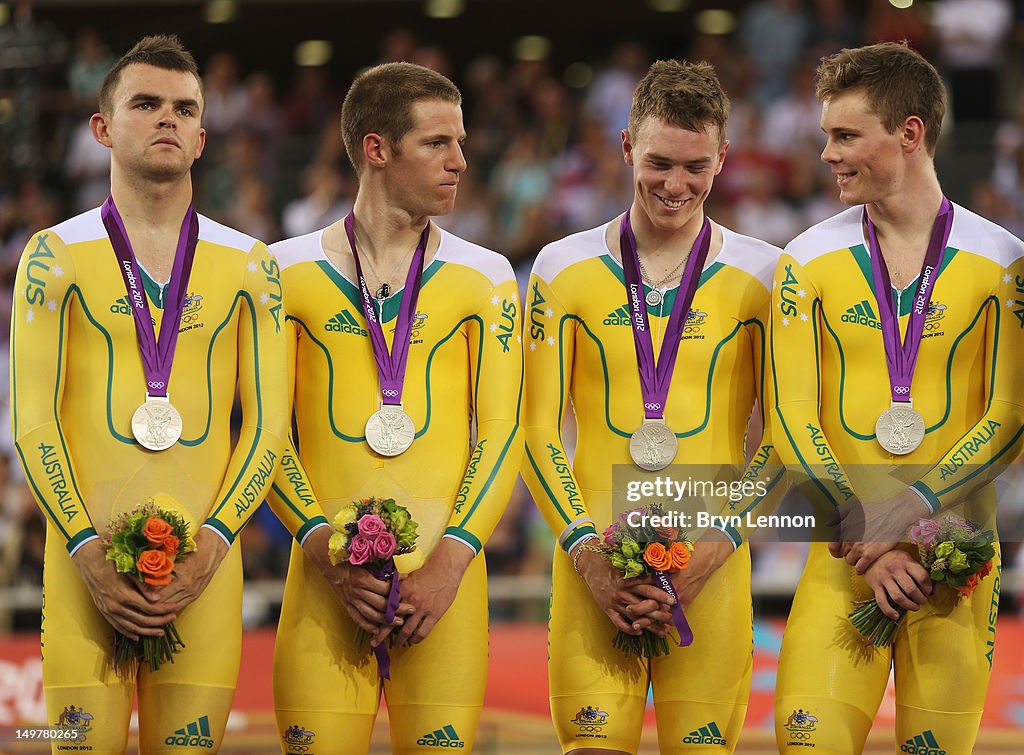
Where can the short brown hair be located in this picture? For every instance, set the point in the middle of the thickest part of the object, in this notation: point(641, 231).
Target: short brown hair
point(897, 81)
point(380, 101)
point(687, 95)
point(159, 50)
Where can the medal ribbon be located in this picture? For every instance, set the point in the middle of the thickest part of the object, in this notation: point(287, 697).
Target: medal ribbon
point(387, 571)
point(901, 357)
point(655, 379)
point(157, 352)
point(391, 365)
point(682, 626)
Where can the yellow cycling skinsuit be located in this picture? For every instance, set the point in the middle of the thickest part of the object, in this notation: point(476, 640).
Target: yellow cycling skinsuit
point(76, 379)
point(580, 349)
point(832, 383)
point(463, 390)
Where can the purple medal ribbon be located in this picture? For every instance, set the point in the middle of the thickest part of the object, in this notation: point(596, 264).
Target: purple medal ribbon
point(901, 357)
point(678, 618)
point(387, 571)
point(157, 352)
point(655, 379)
point(391, 365)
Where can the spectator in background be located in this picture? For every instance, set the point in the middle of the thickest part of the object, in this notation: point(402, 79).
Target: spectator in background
point(490, 114)
point(92, 59)
point(833, 27)
point(265, 122)
point(325, 199)
point(774, 34)
point(887, 23)
point(241, 161)
point(760, 210)
point(521, 184)
point(792, 123)
point(591, 183)
point(32, 58)
point(250, 209)
point(611, 93)
point(311, 104)
point(227, 106)
point(87, 165)
point(970, 39)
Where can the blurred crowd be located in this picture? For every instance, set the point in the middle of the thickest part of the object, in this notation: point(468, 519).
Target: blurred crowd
point(544, 160)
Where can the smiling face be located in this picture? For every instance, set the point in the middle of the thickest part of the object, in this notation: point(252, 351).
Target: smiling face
point(673, 171)
point(153, 127)
point(423, 169)
point(866, 160)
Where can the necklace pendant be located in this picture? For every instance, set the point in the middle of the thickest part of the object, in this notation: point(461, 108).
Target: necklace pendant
point(654, 298)
point(383, 292)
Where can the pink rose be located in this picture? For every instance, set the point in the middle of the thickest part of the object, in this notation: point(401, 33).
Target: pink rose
point(371, 525)
point(385, 545)
point(667, 533)
point(924, 532)
point(360, 550)
point(609, 535)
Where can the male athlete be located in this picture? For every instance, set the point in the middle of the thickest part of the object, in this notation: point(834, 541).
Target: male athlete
point(407, 359)
point(132, 324)
point(661, 278)
point(896, 342)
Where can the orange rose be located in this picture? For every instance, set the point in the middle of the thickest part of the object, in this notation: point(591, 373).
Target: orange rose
point(680, 555)
point(972, 582)
point(155, 567)
point(171, 546)
point(156, 530)
point(657, 557)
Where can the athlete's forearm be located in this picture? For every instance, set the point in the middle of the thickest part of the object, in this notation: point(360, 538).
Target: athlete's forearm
point(262, 382)
point(552, 483)
point(292, 499)
point(997, 438)
point(44, 293)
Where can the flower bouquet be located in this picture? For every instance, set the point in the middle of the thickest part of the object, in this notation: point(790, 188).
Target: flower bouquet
point(146, 543)
point(637, 548)
point(957, 555)
point(370, 533)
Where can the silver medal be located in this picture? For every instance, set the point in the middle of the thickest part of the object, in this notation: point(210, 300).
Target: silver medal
point(156, 424)
point(654, 298)
point(389, 430)
point(900, 428)
point(653, 446)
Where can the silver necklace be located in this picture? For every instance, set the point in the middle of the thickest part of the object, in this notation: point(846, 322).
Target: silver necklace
point(654, 297)
point(384, 291)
